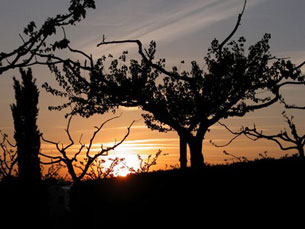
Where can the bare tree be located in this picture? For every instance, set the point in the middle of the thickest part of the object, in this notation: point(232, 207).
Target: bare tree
point(285, 140)
point(8, 158)
point(293, 139)
point(84, 150)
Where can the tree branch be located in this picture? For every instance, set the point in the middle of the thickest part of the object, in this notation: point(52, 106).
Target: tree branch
point(8, 157)
point(246, 109)
point(296, 141)
point(237, 134)
point(147, 60)
point(282, 100)
point(97, 131)
point(234, 30)
point(89, 159)
point(38, 37)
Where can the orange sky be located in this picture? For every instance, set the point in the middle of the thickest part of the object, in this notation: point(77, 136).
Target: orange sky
point(183, 32)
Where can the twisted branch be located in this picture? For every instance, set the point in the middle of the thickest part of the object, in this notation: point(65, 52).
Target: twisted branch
point(89, 159)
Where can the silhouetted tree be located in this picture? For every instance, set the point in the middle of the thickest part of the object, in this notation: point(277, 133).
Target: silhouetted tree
point(27, 135)
point(296, 141)
point(8, 158)
point(34, 43)
point(293, 140)
point(149, 162)
point(73, 163)
point(187, 102)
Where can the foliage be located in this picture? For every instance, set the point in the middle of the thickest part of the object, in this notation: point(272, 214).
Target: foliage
point(35, 44)
point(27, 136)
point(187, 102)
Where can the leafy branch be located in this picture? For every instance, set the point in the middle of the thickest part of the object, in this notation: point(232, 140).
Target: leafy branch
point(34, 42)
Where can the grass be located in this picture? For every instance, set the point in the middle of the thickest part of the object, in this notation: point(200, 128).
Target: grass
point(266, 185)
point(241, 190)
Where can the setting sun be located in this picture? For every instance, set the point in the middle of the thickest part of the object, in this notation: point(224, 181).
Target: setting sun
point(130, 163)
point(122, 172)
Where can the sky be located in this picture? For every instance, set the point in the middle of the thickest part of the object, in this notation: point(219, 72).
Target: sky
point(183, 30)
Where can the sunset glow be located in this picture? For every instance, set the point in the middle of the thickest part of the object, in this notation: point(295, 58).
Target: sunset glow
point(122, 173)
point(182, 31)
point(123, 112)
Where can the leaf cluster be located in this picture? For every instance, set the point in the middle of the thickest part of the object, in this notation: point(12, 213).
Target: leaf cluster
point(35, 46)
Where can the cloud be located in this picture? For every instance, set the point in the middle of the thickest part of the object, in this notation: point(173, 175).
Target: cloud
point(140, 144)
point(184, 21)
point(153, 140)
point(150, 144)
point(124, 127)
point(167, 22)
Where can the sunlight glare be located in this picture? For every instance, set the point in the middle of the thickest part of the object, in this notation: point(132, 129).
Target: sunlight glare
point(129, 164)
point(129, 151)
point(122, 172)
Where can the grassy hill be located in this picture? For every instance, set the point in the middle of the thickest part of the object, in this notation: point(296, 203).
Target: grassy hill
point(252, 191)
point(245, 189)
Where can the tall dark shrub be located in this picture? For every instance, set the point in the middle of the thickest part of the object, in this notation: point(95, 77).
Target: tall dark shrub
point(27, 135)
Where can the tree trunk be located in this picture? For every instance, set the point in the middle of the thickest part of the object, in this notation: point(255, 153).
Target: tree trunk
point(195, 145)
point(183, 152)
point(71, 171)
point(301, 151)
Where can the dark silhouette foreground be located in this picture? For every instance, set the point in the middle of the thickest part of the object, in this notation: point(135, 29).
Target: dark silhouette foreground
point(252, 192)
point(27, 135)
point(239, 191)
